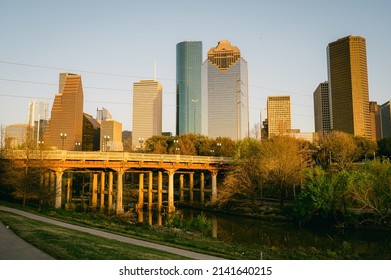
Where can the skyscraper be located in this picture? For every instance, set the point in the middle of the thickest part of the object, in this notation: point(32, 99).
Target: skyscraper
point(374, 111)
point(37, 119)
point(65, 126)
point(322, 108)
point(225, 90)
point(147, 111)
point(188, 77)
point(385, 113)
point(278, 115)
point(348, 85)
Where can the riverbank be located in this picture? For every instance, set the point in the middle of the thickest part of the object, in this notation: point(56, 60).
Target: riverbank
point(197, 242)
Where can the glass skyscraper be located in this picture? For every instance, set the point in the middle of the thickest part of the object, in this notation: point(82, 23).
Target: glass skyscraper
point(188, 77)
point(225, 90)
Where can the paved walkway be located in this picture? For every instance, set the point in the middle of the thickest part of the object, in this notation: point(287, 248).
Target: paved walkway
point(12, 245)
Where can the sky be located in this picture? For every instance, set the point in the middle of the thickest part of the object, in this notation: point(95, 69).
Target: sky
point(113, 44)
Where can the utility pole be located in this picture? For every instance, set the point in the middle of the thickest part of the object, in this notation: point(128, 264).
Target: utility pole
point(238, 105)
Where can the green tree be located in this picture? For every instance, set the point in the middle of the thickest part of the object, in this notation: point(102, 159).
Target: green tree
point(385, 147)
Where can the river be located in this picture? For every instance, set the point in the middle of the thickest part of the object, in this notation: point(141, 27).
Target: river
point(367, 244)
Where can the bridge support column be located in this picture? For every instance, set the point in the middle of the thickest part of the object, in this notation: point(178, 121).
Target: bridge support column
point(110, 193)
point(202, 187)
point(119, 209)
point(159, 191)
point(191, 187)
point(171, 207)
point(58, 189)
point(214, 185)
point(94, 193)
point(102, 192)
point(140, 204)
point(181, 189)
point(69, 193)
point(150, 195)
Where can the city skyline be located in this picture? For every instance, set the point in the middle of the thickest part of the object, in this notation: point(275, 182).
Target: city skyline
point(109, 42)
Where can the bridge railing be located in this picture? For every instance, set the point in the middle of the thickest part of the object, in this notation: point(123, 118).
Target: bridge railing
point(114, 156)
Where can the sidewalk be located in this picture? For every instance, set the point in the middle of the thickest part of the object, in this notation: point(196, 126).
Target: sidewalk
point(12, 247)
point(141, 243)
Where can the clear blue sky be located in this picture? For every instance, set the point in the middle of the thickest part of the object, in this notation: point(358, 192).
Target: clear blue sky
point(284, 43)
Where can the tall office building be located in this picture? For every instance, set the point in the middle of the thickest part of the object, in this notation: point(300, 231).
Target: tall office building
point(348, 85)
point(225, 90)
point(37, 119)
point(188, 77)
point(278, 115)
point(374, 112)
point(67, 114)
point(147, 111)
point(322, 109)
point(385, 113)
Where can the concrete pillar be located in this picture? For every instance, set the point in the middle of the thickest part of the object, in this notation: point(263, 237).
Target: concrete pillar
point(69, 191)
point(94, 194)
point(150, 195)
point(214, 184)
point(202, 187)
point(181, 189)
point(110, 193)
point(102, 191)
point(140, 204)
point(119, 209)
point(171, 207)
point(159, 191)
point(191, 177)
point(52, 186)
point(57, 203)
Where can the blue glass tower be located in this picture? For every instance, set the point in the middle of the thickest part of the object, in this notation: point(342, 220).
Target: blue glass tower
point(188, 78)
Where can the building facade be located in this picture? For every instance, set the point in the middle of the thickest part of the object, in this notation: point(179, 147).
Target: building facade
point(374, 112)
point(385, 115)
point(348, 85)
point(103, 114)
point(322, 109)
point(38, 118)
point(225, 90)
point(16, 135)
point(188, 79)
point(147, 111)
point(279, 119)
point(91, 134)
point(65, 127)
point(111, 136)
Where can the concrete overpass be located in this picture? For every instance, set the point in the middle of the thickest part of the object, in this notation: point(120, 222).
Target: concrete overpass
point(106, 164)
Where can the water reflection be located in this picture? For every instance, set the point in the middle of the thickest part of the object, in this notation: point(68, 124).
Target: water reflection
point(283, 235)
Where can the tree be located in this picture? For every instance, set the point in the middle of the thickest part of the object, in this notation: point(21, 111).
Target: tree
point(372, 192)
point(24, 179)
point(283, 160)
point(385, 147)
point(365, 147)
point(342, 148)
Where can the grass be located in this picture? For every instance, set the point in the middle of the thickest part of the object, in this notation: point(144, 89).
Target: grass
point(66, 244)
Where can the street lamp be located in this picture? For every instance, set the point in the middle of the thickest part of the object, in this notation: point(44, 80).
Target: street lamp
point(106, 139)
point(219, 148)
point(141, 141)
point(63, 137)
point(77, 146)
